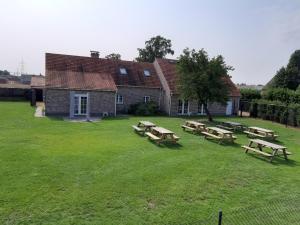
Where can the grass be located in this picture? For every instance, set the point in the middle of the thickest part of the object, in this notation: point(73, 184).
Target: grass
point(57, 172)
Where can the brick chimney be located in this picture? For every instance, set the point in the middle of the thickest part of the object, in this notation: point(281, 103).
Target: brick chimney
point(95, 54)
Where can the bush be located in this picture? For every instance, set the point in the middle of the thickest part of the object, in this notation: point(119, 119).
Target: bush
point(144, 109)
point(282, 94)
point(276, 111)
point(247, 96)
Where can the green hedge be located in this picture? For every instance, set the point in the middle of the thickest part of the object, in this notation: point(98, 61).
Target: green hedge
point(144, 109)
point(276, 111)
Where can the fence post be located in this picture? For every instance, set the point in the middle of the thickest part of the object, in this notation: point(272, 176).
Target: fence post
point(220, 217)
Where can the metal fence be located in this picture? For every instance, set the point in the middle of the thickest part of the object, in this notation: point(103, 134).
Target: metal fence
point(275, 212)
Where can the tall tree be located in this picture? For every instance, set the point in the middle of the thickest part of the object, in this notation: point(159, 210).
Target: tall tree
point(156, 47)
point(203, 79)
point(289, 76)
point(114, 56)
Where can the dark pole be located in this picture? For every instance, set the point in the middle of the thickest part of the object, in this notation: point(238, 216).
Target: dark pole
point(220, 217)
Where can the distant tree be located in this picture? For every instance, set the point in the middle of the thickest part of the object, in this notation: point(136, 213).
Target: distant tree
point(4, 72)
point(203, 79)
point(289, 76)
point(156, 47)
point(114, 56)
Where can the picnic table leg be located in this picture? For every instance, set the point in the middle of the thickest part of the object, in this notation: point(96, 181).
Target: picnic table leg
point(273, 154)
point(249, 145)
point(284, 154)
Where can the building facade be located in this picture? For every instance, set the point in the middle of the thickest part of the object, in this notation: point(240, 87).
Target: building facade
point(92, 86)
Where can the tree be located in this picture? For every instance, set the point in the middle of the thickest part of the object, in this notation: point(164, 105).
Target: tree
point(156, 47)
point(289, 76)
point(4, 72)
point(114, 56)
point(203, 79)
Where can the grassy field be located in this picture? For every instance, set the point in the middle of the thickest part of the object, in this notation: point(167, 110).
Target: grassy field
point(57, 172)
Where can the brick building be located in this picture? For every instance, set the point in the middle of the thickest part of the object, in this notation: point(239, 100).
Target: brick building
point(93, 86)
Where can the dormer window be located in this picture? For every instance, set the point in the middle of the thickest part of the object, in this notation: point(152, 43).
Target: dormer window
point(147, 73)
point(123, 71)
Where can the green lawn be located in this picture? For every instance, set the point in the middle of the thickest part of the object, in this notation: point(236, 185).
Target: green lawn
point(57, 172)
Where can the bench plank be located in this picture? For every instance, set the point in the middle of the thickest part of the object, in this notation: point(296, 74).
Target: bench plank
point(152, 136)
point(136, 128)
point(224, 127)
point(257, 151)
point(211, 135)
point(187, 127)
point(254, 134)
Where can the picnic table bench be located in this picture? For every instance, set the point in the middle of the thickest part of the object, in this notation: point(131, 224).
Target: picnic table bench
point(260, 132)
point(160, 134)
point(143, 126)
point(193, 126)
point(277, 150)
point(219, 134)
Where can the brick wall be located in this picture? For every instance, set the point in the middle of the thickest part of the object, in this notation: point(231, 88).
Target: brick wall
point(57, 102)
point(133, 95)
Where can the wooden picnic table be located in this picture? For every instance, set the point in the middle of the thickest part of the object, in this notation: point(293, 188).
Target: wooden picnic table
point(159, 134)
point(257, 145)
point(193, 126)
point(234, 125)
point(218, 133)
point(260, 132)
point(143, 126)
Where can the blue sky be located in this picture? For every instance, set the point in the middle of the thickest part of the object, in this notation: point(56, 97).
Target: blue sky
point(255, 37)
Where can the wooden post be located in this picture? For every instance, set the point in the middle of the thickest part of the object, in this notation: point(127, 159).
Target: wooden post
point(220, 217)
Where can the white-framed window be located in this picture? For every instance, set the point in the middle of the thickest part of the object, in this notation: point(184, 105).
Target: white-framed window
point(123, 71)
point(146, 99)
point(119, 99)
point(201, 110)
point(147, 73)
point(183, 107)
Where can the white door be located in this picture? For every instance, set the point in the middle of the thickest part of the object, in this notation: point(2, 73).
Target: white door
point(229, 108)
point(80, 104)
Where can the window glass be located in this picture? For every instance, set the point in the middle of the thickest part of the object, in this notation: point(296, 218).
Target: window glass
point(123, 71)
point(147, 73)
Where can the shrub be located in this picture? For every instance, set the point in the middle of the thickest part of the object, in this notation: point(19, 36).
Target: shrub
point(144, 109)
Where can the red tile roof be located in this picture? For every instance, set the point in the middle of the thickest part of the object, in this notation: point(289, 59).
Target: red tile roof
point(135, 70)
point(168, 67)
point(37, 81)
point(80, 80)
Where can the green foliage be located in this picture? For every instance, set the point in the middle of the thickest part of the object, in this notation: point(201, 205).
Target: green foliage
point(201, 78)
point(144, 109)
point(114, 56)
point(250, 94)
point(276, 111)
point(282, 94)
point(156, 47)
point(289, 76)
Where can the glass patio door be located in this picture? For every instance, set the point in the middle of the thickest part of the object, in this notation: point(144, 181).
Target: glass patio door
point(80, 104)
point(183, 107)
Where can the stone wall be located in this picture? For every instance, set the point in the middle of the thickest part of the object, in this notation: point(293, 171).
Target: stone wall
point(57, 102)
point(133, 95)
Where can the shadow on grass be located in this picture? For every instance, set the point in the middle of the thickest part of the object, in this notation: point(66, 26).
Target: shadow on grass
point(167, 145)
point(277, 161)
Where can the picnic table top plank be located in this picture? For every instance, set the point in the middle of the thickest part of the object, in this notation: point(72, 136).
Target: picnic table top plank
point(219, 130)
point(233, 123)
point(268, 144)
point(162, 130)
point(261, 129)
point(147, 123)
point(195, 123)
